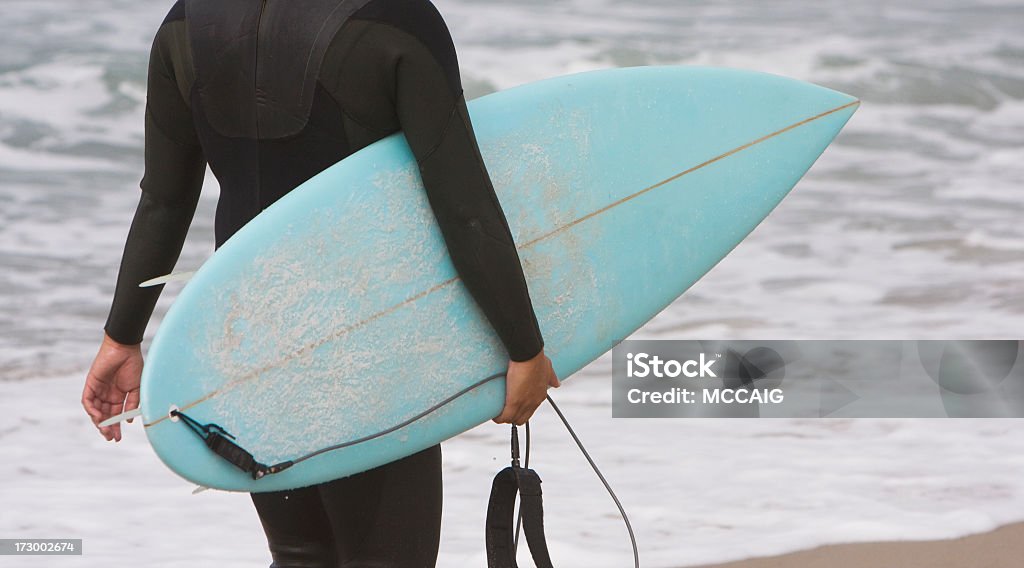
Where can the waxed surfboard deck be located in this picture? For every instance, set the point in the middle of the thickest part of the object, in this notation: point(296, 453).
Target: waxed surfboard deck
point(336, 313)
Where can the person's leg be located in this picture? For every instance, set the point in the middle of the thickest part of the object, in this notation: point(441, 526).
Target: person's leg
point(390, 516)
point(298, 531)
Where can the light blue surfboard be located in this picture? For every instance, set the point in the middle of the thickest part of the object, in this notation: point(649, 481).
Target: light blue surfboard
point(337, 314)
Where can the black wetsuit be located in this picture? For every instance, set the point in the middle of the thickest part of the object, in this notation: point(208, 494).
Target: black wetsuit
point(270, 93)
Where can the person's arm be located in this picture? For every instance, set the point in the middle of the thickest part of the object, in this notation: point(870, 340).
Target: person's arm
point(170, 192)
point(432, 113)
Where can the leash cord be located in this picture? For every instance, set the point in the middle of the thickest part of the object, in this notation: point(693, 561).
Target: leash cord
point(204, 429)
point(597, 470)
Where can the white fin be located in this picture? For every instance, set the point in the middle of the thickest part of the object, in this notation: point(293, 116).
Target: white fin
point(174, 277)
point(199, 489)
point(120, 418)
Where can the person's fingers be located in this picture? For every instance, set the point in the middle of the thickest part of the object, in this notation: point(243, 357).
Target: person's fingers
point(505, 416)
point(105, 432)
point(108, 431)
point(95, 412)
point(91, 399)
point(513, 413)
point(89, 403)
point(523, 413)
point(97, 417)
point(533, 409)
point(115, 429)
point(113, 408)
point(518, 413)
point(94, 407)
point(95, 397)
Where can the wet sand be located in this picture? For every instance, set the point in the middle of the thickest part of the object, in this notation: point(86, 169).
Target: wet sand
point(1002, 548)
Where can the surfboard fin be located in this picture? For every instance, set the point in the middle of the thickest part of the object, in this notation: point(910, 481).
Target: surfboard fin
point(199, 489)
point(173, 277)
point(120, 418)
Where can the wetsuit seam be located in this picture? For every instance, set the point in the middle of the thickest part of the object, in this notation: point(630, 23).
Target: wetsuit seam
point(158, 46)
point(189, 65)
point(349, 115)
point(341, 64)
point(455, 95)
point(444, 133)
point(166, 203)
point(426, 48)
point(163, 132)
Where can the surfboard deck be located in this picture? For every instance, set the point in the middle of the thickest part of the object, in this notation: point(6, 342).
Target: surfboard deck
point(622, 187)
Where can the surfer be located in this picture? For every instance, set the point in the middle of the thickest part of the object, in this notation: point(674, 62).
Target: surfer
point(269, 95)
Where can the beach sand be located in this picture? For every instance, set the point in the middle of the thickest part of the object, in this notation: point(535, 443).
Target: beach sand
point(1002, 548)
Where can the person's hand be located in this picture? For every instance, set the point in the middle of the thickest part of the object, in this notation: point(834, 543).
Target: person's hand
point(526, 387)
point(112, 385)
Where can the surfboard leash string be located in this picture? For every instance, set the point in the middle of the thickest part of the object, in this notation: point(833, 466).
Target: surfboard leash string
point(530, 500)
point(607, 486)
point(220, 441)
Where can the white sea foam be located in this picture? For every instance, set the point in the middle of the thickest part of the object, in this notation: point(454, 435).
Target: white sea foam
point(697, 490)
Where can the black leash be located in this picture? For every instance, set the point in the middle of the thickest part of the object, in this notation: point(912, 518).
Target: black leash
point(216, 438)
point(501, 545)
point(526, 463)
point(220, 441)
point(501, 541)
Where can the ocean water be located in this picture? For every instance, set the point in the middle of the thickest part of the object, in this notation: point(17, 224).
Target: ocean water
point(908, 227)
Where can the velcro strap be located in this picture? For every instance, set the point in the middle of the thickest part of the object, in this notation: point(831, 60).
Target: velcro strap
point(233, 453)
point(501, 518)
